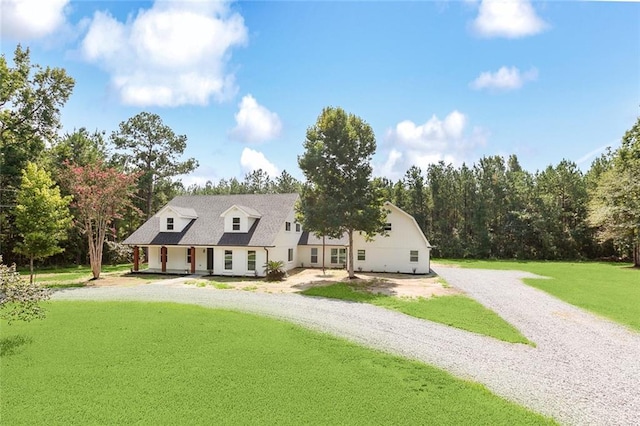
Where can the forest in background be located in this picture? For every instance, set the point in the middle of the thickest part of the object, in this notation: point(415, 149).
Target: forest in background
point(490, 209)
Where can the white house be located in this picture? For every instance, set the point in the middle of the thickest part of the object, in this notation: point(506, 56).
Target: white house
point(238, 234)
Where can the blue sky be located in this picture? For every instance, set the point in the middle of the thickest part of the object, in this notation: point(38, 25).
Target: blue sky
point(447, 80)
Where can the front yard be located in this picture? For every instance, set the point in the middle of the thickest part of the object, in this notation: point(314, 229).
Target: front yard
point(163, 363)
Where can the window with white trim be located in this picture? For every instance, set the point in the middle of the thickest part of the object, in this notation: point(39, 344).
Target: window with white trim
point(361, 255)
point(413, 256)
point(338, 256)
point(169, 224)
point(236, 223)
point(387, 226)
point(251, 260)
point(228, 260)
point(290, 255)
point(314, 254)
point(189, 255)
point(287, 226)
point(297, 227)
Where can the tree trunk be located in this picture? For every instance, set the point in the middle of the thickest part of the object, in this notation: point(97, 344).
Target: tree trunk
point(636, 249)
point(96, 236)
point(31, 269)
point(350, 261)
point(323, 250)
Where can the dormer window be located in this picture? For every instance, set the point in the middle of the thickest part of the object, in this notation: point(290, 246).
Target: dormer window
point(387, 227)
point(239, 218)
point(169, 224)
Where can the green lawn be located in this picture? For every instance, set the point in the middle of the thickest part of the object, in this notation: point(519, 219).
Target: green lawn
point(456, 311)
point(79, 276)
point(608, 289)
point(152, 363)
point(80, 270)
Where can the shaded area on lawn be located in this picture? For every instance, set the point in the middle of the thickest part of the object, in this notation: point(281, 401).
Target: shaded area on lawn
point(456, 311)
point(128, 362)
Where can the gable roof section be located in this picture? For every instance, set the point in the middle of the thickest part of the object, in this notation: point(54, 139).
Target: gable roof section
point(185, 212)
point(413, 219)
point(208, 228)
point(246, 210)
point(310, 239)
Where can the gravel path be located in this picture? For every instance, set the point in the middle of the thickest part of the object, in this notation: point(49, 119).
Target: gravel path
point(584, 370)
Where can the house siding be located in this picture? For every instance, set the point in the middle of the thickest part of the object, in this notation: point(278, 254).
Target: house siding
point(286, 240)
point(391, 253)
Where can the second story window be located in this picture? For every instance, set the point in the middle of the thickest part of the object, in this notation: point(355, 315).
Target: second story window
point(236, 224)
point(169, 224)
point(387, 227)
point(287, 226)
point(297, 227)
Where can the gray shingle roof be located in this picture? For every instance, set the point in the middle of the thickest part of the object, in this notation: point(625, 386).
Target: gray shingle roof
point(185, 211)
point(309, 239)
point(208, 228)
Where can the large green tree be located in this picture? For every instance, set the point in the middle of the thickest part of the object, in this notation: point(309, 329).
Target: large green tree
point(615, 203)
point(42, 216)
point(30, 101)
point(337, 165)
point(145, 144)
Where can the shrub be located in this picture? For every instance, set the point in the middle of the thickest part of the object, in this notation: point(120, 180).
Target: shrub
point(19, 300)
point(116, 253)
point(275, 270)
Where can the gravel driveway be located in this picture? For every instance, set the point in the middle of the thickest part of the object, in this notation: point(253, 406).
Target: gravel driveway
point(584, 370)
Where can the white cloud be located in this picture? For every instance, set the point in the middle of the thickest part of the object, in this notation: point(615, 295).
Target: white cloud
point(251, 160)
point(174, 53)
point(507, 18)
point(434, 134)
point(255, 123)
point(504, 79)
point(447, 140)
point(31, 19)
point(388, 169)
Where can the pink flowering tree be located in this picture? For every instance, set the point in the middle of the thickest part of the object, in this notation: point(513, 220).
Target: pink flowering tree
point(101, 195)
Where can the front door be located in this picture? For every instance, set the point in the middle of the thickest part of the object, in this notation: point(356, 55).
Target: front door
point(209, 259)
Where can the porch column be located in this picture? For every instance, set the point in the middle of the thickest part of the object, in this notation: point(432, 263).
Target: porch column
point(136, 258)
point(163, 257)
point(193, 260)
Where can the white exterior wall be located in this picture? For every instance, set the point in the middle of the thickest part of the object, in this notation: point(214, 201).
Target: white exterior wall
point(177, 260)
point(286, 240)
point(391, 253)
point(154, 258)
point(240, 257)
point(304, 257)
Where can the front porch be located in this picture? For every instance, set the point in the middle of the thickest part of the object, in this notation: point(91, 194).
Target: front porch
point(219, 261)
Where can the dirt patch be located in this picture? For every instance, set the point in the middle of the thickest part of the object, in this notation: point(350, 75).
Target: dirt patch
point(401, 285)
point(123, 280)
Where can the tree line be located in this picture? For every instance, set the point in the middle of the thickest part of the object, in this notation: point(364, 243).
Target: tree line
point(490, 209)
